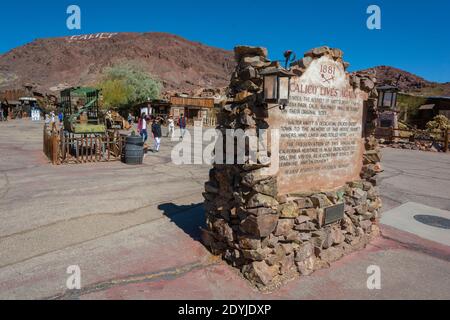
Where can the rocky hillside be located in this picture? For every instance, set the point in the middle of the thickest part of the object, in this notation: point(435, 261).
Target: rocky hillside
point(181, 65)
point(408, 82)
point(51, 64)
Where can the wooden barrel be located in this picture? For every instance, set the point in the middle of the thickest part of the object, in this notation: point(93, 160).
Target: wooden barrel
point(134, 150)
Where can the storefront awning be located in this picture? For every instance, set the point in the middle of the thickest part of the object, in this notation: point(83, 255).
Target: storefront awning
point(427, 107)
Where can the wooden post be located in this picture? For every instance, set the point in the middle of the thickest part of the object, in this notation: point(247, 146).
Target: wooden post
point(108, 147)
point(446, 140)
point(63, 146)
point(77, 150)
point(44, 144)
point(54, 148)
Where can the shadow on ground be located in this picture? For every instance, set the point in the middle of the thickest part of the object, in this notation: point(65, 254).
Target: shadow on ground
point(189, 218)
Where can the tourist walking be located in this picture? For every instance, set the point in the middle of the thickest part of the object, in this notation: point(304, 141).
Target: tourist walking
point(2, 117)
point(130, 119)
point(61, 119)
point(171, 123)
point(156, 130)
point(142, 127)
point(182, 124)
point(53, 117)
point(5, 112)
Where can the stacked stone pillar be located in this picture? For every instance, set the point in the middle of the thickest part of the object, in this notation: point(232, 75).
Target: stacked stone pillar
point(270, 236)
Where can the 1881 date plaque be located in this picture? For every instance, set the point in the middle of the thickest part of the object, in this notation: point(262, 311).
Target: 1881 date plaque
point(334, 214)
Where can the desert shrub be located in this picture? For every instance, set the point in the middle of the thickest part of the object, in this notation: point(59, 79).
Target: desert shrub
point(126, 84)
point(439, 122)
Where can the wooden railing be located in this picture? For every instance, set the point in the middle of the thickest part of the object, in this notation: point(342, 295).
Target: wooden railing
point(392, 135)
point(62, 147)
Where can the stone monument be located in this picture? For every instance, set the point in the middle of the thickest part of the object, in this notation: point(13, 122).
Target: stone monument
point(320, 202)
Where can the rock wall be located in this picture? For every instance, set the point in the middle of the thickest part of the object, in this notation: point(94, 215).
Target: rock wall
point(271, 236)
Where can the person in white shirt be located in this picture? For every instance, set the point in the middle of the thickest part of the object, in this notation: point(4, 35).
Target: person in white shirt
point(142, 127)
point(171, 127)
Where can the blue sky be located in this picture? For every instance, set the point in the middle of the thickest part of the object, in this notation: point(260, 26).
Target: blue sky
point(415, 35)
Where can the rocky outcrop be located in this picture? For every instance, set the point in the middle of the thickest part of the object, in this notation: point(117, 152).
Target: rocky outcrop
point(408, 82)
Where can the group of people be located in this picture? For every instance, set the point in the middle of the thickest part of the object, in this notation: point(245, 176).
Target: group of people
point(50, 118)
point(156, 129)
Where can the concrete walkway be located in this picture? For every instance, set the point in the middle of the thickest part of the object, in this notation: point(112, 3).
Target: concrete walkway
point(426, 222)
point(133, 231)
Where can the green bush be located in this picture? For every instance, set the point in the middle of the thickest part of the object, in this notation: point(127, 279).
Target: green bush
point(126, 84)
point(115, 93)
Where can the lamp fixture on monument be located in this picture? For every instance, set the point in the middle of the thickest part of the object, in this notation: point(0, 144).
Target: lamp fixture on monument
point(277, 83)
point(387, 98)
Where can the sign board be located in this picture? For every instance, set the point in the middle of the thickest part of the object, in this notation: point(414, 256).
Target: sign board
point(96, 36)
point(334, 214)
point(321, 145)
point(146, 110)
point(176, 112)
point(35, 115)
point(193, 102)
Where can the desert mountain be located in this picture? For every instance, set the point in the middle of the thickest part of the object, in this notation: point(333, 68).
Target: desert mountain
point(408, 82)
point(51, 64)
point(181, 65)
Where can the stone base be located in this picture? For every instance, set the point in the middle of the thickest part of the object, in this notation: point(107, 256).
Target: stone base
point(268, 238)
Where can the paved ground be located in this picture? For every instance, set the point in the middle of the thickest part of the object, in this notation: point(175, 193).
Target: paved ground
point(134, 231)
point(421, 177)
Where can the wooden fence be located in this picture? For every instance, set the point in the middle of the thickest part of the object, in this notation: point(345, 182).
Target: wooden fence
point(62, 147)
point(392, 135)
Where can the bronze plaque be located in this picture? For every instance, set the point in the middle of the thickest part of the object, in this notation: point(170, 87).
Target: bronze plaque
point(334, 214)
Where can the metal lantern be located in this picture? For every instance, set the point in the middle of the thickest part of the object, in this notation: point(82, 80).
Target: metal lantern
point(387, 98)
point(277, 83)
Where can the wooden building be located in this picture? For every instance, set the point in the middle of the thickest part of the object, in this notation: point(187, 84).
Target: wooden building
point(153, 108)
point(194, 109)
point(19, 103)
point(434, 106)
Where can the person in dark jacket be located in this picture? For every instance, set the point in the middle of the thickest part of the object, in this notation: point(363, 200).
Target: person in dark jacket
point(4, 111)
point(182, 123)
point(1, 112)
point(157, 134)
